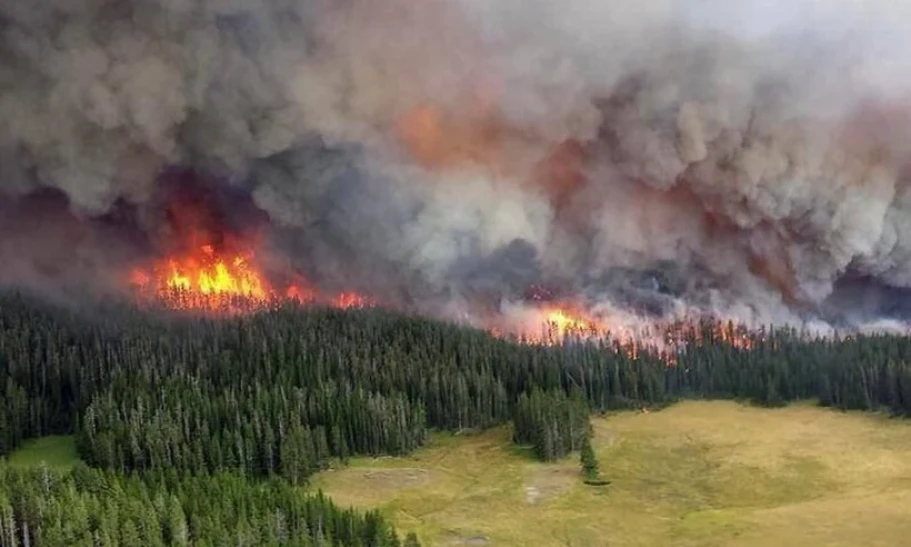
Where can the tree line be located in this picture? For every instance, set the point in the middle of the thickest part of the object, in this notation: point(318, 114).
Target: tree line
point(141, 388)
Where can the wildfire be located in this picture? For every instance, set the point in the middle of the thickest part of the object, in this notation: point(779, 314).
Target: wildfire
point(564, 323)
point(565, 320)
point(209, 263)
point(561, 323)
point(226, 282)
point(213, 281)
point(205, 265)
point(207, 274)
point(216, 280)
point(210, 283)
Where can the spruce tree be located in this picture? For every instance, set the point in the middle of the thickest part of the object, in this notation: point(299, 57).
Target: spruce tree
point(588, 460)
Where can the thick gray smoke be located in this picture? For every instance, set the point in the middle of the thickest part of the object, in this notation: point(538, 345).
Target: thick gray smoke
point(731, 156)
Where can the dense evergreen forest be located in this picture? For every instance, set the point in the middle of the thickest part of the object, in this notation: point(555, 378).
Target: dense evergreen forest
point(283, 392)
point(552, 423)
point(89, 507)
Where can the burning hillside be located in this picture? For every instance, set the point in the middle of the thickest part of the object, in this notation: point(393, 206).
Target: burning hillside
point(206, 273)
point(200, 257)
point(202, 261)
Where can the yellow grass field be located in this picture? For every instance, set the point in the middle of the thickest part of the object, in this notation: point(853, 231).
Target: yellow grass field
point(698, 473)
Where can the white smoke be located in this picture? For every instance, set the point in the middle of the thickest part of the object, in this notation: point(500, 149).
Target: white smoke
point(762, 146)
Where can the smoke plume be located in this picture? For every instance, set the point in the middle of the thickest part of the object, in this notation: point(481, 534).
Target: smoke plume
point(655, 157)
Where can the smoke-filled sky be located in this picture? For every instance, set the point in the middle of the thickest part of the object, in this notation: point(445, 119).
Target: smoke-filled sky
point(736, 157)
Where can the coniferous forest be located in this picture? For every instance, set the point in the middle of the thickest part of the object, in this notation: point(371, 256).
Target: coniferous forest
point(198, 430)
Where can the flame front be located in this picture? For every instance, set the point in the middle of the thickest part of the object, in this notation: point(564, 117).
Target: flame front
point(211, 269)
point(205, 279)
point(563, 322)
point(209, 274)
point(229, 282)
point(547, 321)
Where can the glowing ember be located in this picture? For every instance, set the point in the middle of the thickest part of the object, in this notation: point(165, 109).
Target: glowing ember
point(352, 300)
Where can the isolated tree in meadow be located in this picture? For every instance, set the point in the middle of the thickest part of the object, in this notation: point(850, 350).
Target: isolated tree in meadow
point(588, 460)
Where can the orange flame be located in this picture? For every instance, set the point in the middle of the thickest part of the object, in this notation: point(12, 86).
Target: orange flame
point(564, 322)
point(207, 265)
point(204, 279)
point(664, 340)
point(209, 274)
point(230, 282)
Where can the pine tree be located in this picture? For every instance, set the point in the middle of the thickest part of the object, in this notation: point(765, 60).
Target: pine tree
point(588, 460)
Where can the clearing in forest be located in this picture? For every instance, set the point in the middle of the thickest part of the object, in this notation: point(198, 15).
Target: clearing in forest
point(58, 452)
point(697, 473)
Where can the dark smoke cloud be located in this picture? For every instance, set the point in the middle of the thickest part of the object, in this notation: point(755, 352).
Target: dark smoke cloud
point(45, 248)
point(736, 158)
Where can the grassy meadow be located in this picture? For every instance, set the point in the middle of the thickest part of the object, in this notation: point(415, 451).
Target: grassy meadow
point(58, 452)
point(697, 473)
point(694, 474)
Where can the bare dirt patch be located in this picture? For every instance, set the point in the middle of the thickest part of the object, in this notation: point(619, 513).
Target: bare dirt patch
point(475, 541)
point(546, 484)
point(395, 478)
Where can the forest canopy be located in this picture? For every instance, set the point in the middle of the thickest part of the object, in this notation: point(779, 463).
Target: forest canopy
point(284, 392)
